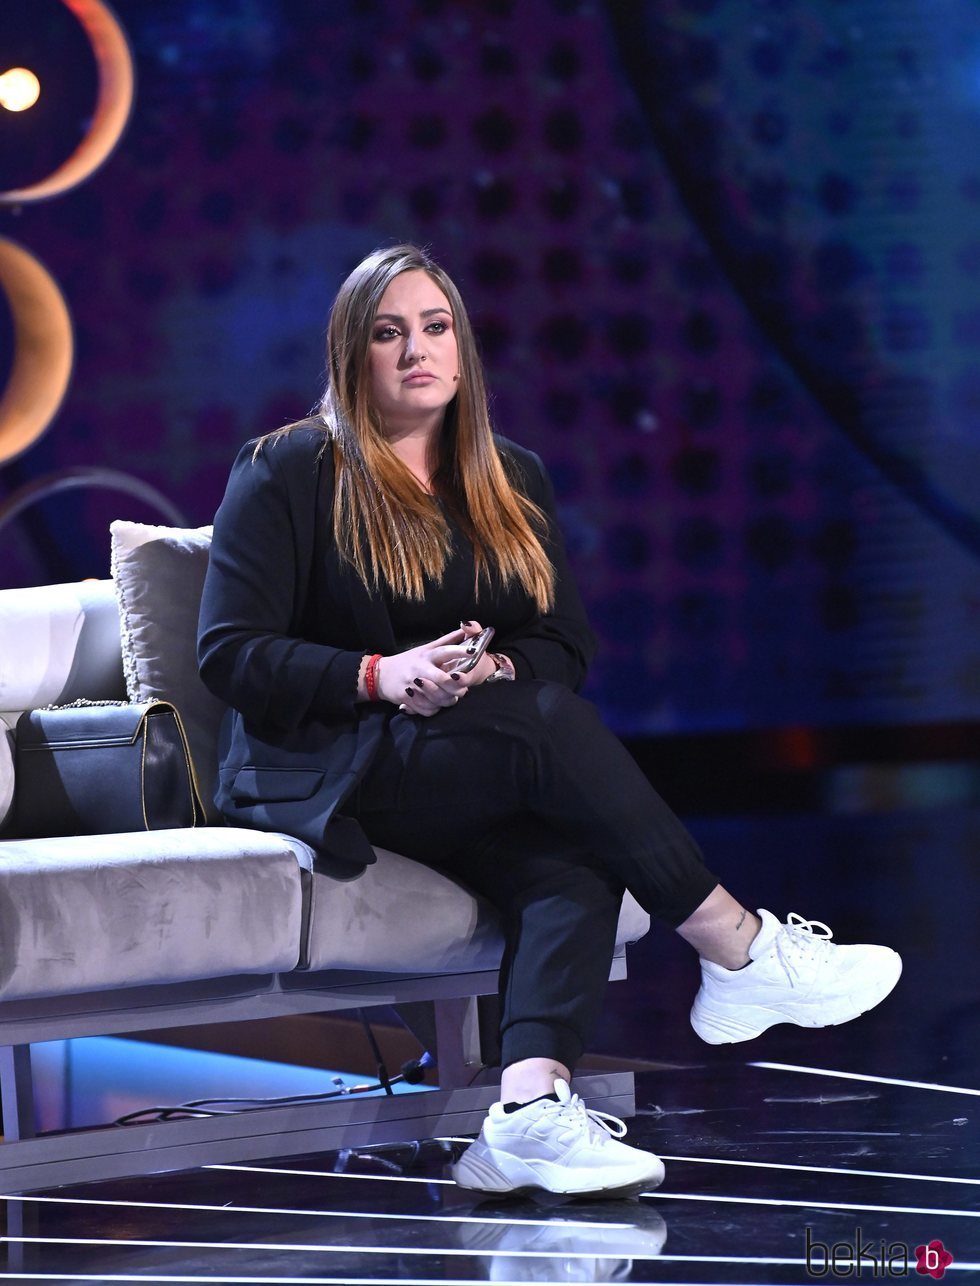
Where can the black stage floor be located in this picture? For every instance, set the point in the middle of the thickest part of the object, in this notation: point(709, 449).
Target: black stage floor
point(786, 1157)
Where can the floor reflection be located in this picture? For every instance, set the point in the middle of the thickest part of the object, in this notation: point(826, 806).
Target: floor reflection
point(580, 1242)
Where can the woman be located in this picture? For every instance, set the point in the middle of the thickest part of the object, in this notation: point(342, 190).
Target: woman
point(346, 550)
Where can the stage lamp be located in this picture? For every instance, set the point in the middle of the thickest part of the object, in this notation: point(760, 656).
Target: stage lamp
point(19, 89)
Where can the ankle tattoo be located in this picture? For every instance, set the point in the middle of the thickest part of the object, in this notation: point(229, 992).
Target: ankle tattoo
point(741, 921)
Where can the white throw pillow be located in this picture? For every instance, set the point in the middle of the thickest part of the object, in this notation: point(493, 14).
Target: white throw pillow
point(159, 577)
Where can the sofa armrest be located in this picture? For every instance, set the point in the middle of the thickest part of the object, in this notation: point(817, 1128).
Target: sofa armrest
point(59, 642)
point(7, 724)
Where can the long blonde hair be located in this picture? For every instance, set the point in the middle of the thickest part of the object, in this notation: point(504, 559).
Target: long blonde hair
point(385, 524)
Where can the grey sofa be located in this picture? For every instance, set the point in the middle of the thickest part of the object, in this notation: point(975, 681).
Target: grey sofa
point(123, 933)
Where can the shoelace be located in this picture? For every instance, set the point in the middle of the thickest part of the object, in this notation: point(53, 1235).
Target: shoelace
point(801, 940)
point(574, 1112)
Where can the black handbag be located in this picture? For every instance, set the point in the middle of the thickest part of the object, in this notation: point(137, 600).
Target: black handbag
point(97, 767)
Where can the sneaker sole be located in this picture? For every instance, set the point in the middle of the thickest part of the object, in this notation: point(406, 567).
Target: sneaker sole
point(749, 1021)
point(499, 1173)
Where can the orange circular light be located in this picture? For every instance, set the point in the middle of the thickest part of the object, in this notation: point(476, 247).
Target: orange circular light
point(19, 89)
point(112, 106)
point(43, 350)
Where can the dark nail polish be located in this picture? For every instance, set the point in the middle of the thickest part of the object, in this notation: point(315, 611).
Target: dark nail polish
point(454, 676)
point(417, 682)
point(410, 692)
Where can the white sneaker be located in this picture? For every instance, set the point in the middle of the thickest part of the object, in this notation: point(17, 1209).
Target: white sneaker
point(561, 1147)
point(797, 975)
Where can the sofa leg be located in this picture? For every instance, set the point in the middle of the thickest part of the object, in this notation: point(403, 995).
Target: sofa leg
point(16, 1092)
point(458, 1054)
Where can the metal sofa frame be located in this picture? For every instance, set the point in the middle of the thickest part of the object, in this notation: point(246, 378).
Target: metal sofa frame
point(29, 1161)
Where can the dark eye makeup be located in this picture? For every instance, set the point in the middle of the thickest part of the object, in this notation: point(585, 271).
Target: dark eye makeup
point(390, 331)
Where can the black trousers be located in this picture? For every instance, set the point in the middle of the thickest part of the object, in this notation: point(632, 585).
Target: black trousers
point(523, 794)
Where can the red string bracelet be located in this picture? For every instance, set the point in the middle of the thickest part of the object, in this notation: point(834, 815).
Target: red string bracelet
point(371, 677)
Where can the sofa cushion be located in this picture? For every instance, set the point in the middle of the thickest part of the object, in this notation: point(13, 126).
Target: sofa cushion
point(399, 915)
point(159, 577)
point(87, 913)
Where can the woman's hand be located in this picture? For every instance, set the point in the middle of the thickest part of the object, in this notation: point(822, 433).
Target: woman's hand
point(421, 680)
point(484, 667)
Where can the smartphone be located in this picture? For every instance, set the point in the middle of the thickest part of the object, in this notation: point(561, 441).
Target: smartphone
point(482, 641)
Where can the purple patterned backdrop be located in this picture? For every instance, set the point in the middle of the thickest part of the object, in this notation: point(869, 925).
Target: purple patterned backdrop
point(722, 259)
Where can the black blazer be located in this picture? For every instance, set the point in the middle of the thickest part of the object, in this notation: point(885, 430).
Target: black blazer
point(285, 623)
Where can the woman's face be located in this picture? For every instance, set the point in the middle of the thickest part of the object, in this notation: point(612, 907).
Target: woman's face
point(413, 361)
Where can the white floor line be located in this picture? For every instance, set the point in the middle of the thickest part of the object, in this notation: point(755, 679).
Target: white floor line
point(308, 1248)
point(248, 1281)
point(330, 1174)
point(811, 1205)
point(767, 1165)
point(821, 1169)
point(322, 1214)
point(72, 1278)
point(873, 1080)
point(370, 1281)
point(733, 1260)
point(326, 1281)
point(260, 1281)
point(469, 1252)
